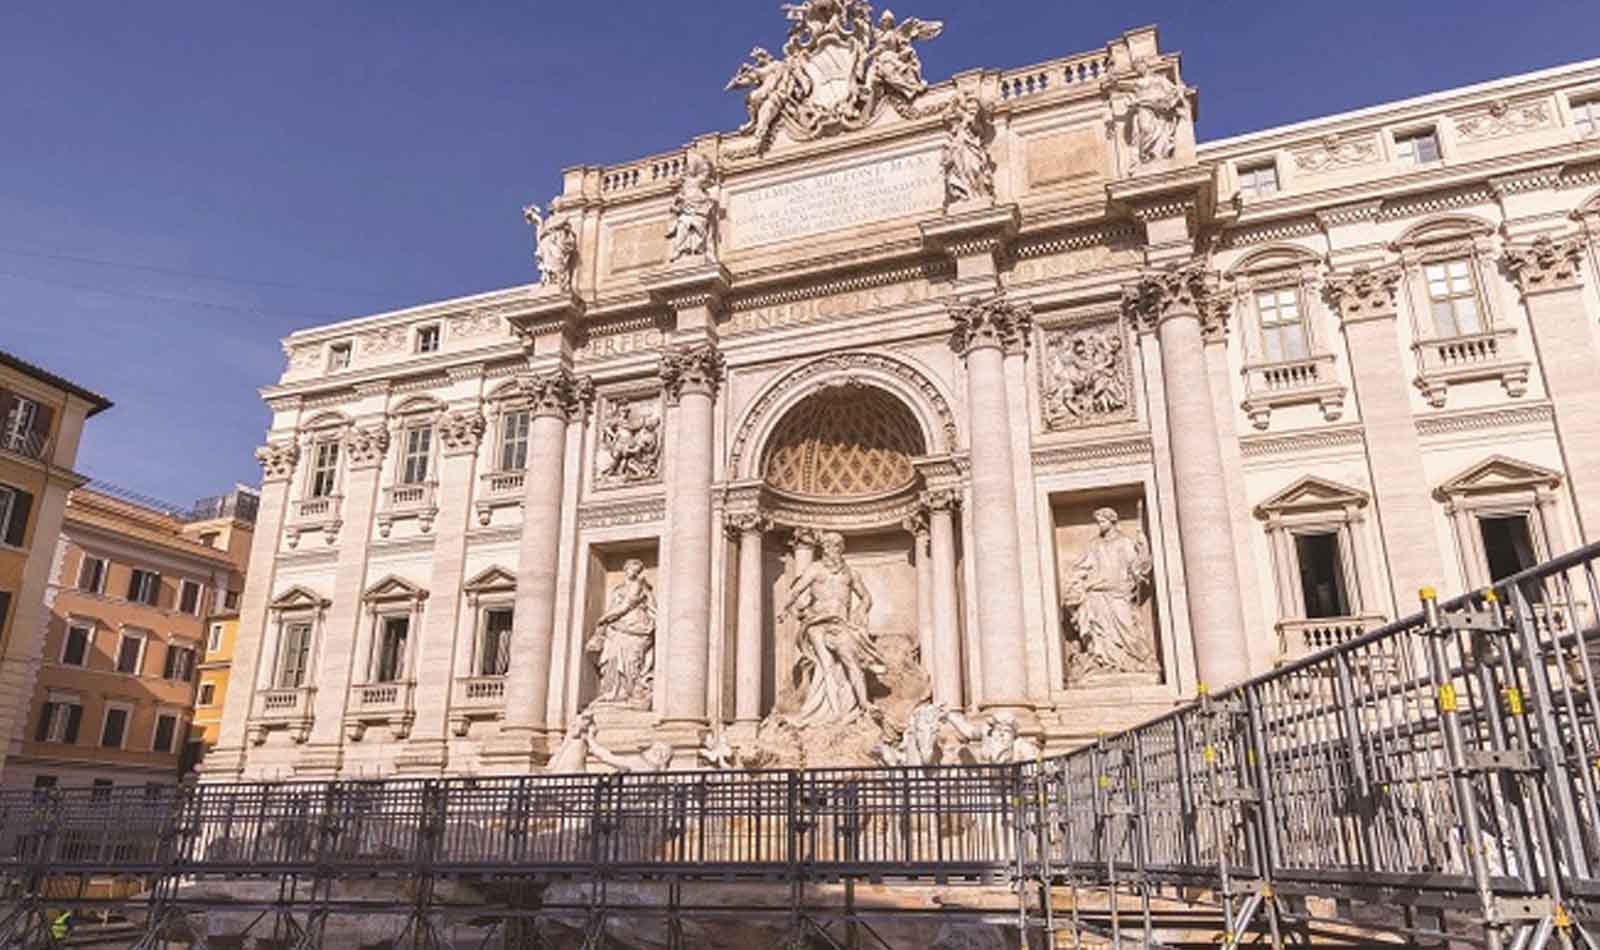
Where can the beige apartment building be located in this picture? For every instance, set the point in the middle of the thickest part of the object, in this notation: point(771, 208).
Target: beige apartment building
point(1000, 390)
point(134, 589)
point(41, 423)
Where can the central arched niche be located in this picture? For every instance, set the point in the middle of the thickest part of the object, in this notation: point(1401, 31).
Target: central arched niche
point(844, 442)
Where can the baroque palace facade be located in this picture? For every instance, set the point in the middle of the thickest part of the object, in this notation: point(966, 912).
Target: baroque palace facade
point(972, 415)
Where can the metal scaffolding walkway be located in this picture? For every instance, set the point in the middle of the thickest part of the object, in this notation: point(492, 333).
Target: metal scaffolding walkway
point(1436, 779)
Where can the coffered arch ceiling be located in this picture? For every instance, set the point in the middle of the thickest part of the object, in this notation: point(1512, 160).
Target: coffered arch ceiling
point(848, 441)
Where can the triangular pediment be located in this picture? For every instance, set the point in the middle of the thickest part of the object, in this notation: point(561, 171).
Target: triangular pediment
point(299, 598)
point(495, 578)
point(1312, 493)
point(394, 588)
point(1499, 473)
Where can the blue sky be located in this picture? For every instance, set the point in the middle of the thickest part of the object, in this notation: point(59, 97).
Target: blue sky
point(183, 183)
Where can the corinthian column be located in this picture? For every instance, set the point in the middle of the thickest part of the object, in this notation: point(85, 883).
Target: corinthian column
point(555, 397)
point(748, 529)
point(1550, 275)
point(940, 506)
point(985, 330)
point(1170, 302)
point(690, 376)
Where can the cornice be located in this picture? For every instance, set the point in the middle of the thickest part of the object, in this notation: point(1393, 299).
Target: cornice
point(1478, 420)
point(610, 514)
point(866, 279)
point(1310, 440)
point(1123, 450)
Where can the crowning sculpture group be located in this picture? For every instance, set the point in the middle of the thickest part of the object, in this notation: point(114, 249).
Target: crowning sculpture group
point(840, 67)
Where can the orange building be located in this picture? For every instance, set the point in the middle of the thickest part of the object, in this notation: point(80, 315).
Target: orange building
point(130, 601)
point(41, 422)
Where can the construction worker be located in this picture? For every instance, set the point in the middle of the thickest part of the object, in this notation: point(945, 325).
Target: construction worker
point(61, 928)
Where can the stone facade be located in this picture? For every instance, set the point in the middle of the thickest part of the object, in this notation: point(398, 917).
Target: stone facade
point(1000, 394)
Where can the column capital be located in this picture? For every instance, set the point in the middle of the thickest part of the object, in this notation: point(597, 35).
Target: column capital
point(1182, 290)
point(1365, 293)
point(278, 460)
point(695, 369)
point(461, 431)
point(992, 322)
point(739, 523)
point(916, 522)
point(365, 446)
point(1547, 263)
point(558, 392)
point(939, 499)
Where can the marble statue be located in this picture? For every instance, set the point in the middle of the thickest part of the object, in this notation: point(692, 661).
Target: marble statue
point(919, 743)
point(694, 213)
point(1085, 377)
point(968, 169)
point(999, 742)
point(895, 64)
point(717, 752)
point(773, 83)
point(555, 248)
point(831, 602)
point(1158, 105)
point(630, 443)
point(624, 642)
point(1102, 594)
point(573, 753)
point(656, 757)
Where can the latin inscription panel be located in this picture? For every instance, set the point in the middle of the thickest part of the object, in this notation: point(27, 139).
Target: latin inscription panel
point(835, 200)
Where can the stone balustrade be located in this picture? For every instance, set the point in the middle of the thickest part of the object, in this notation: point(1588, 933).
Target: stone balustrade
point(1446, 361)
point(1054, 75)
point(1301, 638)
point(498, 490)
point(1291, 382)
point(381, 704)
point(419, 501)
point(323, 514)
point(476, 698)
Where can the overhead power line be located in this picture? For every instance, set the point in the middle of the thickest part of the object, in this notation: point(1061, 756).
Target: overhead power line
point(178, 272)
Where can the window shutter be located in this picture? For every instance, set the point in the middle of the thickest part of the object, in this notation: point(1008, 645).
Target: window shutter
point(133, 584)
point(16, 529)
point(74, 720)
point(169, 667)
point(41, 426)
point(46, 713)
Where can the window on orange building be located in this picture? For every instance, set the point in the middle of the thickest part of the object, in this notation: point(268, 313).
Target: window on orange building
point(75, 651)
point(189, 597)
point(166, 728)
point(92, 575)
point(115, 728)
point(129, 653)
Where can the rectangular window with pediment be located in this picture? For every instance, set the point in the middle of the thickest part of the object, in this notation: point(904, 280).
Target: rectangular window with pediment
point(1257, 181)
point(414, 461)
point(1453, 298)
point(391, 659)
point(325, 469)
point(1586, 115)
point(495, 658)
point(1283, 327)
point(295, 655)
point(1417, 148)
point(514, 441)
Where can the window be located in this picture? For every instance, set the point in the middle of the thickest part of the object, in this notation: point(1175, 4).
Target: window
point(1258, 180)
point(166, 729)
point(129, 652)
point(230, 600)
point(1417, 148)
point(495, 659)
point(392, 650)
point(59, 722)
point(209, 538)
point(44, 781)
point(514, 441)
point(5, 607)
point(208, 694)
point(19, 425)
point(338, 357)
point(296, 654)
point(214, 638)
point(92, 575)
point(179, 664)
point(101, 790)
point(1507, 545)
point(144, 587)
point(115, 728)
point(419, 441)
point(325, 469)
point(1283, 331)
point(75, 651)
point(428, 338)
point(14, 507)
point(1322, 581)
point(189, 597)
point(1586, 116)
point(1453, 298)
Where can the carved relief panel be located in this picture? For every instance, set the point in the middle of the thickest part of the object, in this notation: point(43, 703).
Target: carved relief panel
point(1085, 375)
point(631, 432)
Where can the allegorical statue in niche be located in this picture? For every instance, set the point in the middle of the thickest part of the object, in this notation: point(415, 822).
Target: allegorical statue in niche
point(1103, 592)
point(694, 213)
point(773, 83)
point(630, 441)
point(968, 169)
point(998, 742)
point(573, 753)
point(555, 247)
point(895, 64)
point(1159, 104)
point(1086, 377)
point(831, 603)
point(624, 641)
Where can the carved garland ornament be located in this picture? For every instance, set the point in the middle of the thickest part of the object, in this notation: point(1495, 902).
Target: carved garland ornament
point(841, 364)
point(993, 322)
point(694, 370)
point(558, 392)
point(1547, 264)
point(278, 460)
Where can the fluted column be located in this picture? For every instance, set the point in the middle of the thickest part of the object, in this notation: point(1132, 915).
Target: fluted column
point(690, 376)
point(985, 330)
point(940, 506)
point(1549, 271)
point(748, 529)
point(555, 398)
point(1170, 302)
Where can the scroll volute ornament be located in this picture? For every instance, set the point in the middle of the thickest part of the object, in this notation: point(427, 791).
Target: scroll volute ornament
point(366, 446)
point(1157, 294)
point(558, 392)
point(462, 430)
point(995, 322)
point(1365, 291)
point(693, 369)
point(278, 460)
point(1547, 264)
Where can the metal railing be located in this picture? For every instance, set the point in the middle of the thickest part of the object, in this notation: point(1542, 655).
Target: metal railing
point(1436, 777)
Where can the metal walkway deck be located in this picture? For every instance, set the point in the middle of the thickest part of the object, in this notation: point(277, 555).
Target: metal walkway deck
point(1438, 776)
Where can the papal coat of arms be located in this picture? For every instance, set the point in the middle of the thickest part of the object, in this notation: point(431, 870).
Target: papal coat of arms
point(839, 68)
